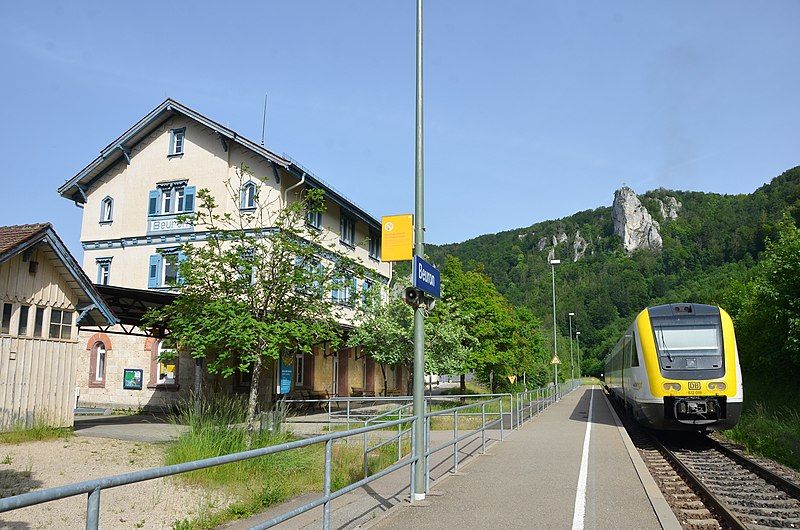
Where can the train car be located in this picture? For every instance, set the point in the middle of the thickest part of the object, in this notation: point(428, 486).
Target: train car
point(677, 368)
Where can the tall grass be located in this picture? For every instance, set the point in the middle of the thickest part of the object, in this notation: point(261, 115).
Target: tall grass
point(216, 427)
point(40, 431)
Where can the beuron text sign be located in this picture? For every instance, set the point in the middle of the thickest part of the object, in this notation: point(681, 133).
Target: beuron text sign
point(425, 277)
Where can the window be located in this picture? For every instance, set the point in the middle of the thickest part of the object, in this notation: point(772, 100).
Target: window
point(107, 210)
point(60, 324)
point(38, 323)
point(166, 363)
point(168, 199)
point(5, 326)
point(343, 290)
point(366, 285)
point(164, 268)
point(299, 368)
point(347, 230)
point(314, 219)
point(177, 138)
point(249, 196)
point(22, 327)
point(100, 362)
point(103, 270)
point(374, 245)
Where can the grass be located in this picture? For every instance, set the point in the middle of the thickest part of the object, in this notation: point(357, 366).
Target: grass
point(259, 483)
point(770, 423)
point(40, 431)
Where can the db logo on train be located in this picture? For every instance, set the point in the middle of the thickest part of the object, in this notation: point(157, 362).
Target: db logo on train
point(693, 385)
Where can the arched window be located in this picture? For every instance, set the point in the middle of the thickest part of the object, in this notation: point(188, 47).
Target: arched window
point(249, 193)
point(100, 362)
point(99, 346)
point(107, 210)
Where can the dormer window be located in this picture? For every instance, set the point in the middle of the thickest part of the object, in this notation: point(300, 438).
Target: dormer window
point(107, 210)
point(347, 230)
point(248, 199)
point(177, 138)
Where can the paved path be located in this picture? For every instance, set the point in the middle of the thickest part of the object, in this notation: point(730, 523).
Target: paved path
point(532, 479)
point(151, 428)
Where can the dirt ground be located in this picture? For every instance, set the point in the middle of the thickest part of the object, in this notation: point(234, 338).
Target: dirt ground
point(155, 504)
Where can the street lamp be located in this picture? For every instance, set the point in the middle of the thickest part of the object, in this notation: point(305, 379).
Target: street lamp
point(578, 341)
point(553, 263)
point(571, 362)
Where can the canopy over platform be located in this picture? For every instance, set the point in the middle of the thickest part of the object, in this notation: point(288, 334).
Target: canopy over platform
point(129, 306)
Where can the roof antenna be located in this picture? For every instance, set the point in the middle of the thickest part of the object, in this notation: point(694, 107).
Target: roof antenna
point(264, 120)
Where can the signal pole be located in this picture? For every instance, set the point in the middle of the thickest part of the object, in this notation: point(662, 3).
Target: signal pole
point(419, 250)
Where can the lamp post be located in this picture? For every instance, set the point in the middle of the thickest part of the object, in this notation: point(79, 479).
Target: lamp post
point(571, 363)
point(419, 250)
point(553, 263)
point(578, 343)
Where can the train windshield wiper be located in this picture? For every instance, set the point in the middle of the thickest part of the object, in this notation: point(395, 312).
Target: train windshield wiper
point(664, 344)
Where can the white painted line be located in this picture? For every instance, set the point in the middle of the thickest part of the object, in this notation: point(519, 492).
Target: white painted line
point(579, 514)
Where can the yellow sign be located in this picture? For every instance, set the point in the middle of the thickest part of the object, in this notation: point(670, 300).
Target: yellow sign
point(397, 237)
point(555, 360)
point(512, 379)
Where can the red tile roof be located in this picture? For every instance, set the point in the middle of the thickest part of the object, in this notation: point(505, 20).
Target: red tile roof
point(11, 236)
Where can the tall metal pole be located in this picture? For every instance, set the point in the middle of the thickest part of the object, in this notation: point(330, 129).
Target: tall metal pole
point(555, 340)
point(578, 344)
point(571, 362)
point(419, 250)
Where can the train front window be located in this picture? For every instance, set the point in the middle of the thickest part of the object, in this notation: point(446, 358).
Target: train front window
point(696, 347)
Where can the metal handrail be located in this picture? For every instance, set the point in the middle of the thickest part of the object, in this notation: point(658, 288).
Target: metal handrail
point(95, 486)
point(544, 397)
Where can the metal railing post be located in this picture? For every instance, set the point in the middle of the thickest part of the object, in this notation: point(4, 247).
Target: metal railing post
point(93, 510)
point(399, 435)
point(426, 455)
point(483, 428)
point(502, 419)
point(455, 441)
point(414, 463)
point(348, 414)
point(366, 453)
point(530, 406)
point(326, 507)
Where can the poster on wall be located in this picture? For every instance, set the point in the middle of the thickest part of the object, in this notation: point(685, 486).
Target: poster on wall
point(286, 377)
point(132, 379)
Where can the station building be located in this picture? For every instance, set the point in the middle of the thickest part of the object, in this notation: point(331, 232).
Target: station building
point(131, 198)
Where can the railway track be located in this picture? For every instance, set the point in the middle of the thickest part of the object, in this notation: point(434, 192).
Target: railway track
point(710, 486)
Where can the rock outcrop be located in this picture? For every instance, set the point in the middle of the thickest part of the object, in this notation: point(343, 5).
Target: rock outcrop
point(579, 245)
point(551, 254)
point(542, 244)
point(669, 210)
point(633, 223)
point(561, 237)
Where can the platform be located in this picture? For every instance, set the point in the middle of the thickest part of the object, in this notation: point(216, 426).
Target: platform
point(532, 480)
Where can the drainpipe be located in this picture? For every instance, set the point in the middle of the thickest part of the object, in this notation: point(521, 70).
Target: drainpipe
point(290, 188)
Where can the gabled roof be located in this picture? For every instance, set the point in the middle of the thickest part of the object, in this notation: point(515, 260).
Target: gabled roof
point(19, 238)
point(73, 188)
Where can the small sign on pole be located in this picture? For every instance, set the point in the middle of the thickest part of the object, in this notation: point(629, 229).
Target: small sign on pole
point(555, 360)
point(397, 237)
point(426, 278)
point(512, 379)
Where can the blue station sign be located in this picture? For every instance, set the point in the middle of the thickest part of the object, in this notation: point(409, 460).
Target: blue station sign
point(425, 277)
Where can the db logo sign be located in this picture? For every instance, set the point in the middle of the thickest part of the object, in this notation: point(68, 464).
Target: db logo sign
point(694, 385)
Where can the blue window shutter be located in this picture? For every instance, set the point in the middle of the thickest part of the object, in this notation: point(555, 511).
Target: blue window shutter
point(188, 200)
point(152, 206)
point(181, 259)
point(154, 271)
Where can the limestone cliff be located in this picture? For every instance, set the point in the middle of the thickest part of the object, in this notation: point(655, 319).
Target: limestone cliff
point(579, 245)
point(633, 223)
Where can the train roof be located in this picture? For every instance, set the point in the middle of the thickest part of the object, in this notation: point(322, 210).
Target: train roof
point(682, 309)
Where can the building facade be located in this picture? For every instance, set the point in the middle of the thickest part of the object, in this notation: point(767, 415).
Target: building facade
point(44, 297)
point(134, 197)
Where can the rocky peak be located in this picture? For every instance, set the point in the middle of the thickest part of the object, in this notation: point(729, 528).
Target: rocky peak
point(669, 210)
point(633, 223)
point(559, 238)
point(579, 245)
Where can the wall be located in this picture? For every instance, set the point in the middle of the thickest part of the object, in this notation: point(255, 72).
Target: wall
point(37, 375)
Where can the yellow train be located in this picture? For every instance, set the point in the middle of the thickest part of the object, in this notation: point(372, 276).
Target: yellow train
point(677, 368)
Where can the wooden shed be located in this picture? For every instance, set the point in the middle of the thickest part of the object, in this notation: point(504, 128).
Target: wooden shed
point(44, 297)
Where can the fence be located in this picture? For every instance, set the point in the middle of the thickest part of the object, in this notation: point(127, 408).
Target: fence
point(521, 404)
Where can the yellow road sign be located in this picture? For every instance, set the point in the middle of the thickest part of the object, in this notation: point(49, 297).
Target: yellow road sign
point(512, 379)
point(555, 360)
point(397, 237)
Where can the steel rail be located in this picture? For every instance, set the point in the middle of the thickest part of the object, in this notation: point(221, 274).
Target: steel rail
point(791, 488)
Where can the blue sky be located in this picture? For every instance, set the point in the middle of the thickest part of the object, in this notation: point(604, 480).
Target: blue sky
point(534, 110)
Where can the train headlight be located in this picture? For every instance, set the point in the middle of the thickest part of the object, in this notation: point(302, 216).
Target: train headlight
point(672, 386)
point(717, 386)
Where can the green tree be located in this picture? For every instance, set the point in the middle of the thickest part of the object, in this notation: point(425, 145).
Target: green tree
point(258, 286)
